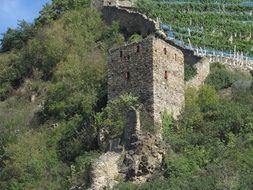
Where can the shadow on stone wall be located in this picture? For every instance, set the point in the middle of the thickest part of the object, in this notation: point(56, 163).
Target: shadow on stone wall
point(131, 22)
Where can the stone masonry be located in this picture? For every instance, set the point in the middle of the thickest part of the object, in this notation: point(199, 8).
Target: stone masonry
point(100, 4)
point(153, 71)
point(130, 22)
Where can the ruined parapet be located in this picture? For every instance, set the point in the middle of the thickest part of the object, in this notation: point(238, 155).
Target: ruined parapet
point(99, 4)
point(151, 70)
point(130, 21)
point(133, 126)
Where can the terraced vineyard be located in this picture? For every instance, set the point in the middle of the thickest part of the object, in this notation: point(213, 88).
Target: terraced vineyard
point(224, 25)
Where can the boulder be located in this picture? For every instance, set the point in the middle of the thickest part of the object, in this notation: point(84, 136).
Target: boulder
point(144, 158)
point(104, 170)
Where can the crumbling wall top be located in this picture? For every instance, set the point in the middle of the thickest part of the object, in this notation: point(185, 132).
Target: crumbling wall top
point(99, 4)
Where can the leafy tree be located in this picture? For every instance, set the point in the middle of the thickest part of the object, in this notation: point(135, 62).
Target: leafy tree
point(32, 164)
point(189, 71)
point(113, 116)
point(135, 38)
point(17, 38)
point(54, 10)
point(10, 73)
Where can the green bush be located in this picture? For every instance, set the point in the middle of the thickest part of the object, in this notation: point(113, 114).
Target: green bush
point(66, 62)
point(17, 38)
point(78, 137)
point(10, 73)
point(32, 164)
point(220, 77)
point(113, 116)
point(189, 71)
point(135, 38)
point(81, 169)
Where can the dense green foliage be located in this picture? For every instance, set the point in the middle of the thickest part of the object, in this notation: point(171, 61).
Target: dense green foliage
point(212, 24)
point(63, 64)
point(189, 71)
point(113, 116)
point(221, 77)
point(17, 38)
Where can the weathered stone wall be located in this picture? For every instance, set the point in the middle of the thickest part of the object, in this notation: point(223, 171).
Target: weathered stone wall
point(168, 79)
point(97, 4)
point(130, 22)
point(133, 126)
point(131, 71)
point(203, 70)
point(119, 3)
point(189, 56)
point(140, 69)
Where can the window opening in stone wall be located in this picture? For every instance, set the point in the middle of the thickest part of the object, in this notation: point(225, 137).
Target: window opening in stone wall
point(121, 53)
point(109, 3)
point(166, 75)
point(175, 56)
point(128, 57)
point(165, 51)
point(128, 75)
point(138, 49)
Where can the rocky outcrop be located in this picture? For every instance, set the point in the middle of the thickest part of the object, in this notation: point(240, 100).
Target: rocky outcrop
point(144, 157)
point(104, 170)
point(136, 156)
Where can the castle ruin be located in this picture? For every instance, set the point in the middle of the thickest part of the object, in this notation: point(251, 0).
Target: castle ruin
point(152, 70)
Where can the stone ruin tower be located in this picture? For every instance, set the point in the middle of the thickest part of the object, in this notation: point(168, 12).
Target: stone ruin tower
point(151, 70)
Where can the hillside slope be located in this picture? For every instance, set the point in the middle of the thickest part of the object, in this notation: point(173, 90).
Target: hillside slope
point(53, 91)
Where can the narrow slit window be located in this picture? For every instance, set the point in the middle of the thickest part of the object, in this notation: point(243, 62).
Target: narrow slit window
point(165, 75)
point(128, 75)
point(165, 51)
point(121, 54)
point(138, 49)
point(175, 56)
